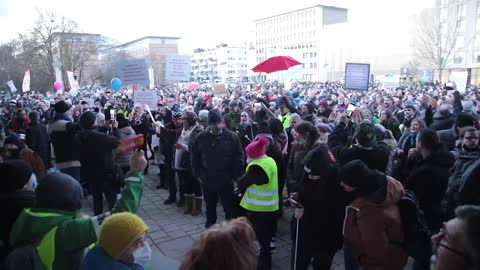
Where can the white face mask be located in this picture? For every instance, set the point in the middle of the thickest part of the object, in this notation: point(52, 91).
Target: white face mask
point(143, 255)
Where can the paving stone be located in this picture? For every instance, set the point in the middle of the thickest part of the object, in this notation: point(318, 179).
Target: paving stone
point(176, 248)
point(157, 235)
point(176, 234)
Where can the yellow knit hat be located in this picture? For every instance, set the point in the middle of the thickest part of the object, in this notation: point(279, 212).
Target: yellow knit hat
point(119, 231)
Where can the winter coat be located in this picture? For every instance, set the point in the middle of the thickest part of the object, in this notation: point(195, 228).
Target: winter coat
point(98, 259)
point(376, 158)
point(463, 185)
point(321, 199)
point(325, 114)
point(62, 135)
point(11, 205)
point(394, 126)
point(96, 154)
point(442, 121)
point(217, 159)
point(74, 234)
point(37, 139)
point(372, 228)
point(123, 159)
point(232, 120)
point(294, 167)
point(448, 138)
point(19, 126)
point(246, 133)
point(428, 179)
point(168, 137)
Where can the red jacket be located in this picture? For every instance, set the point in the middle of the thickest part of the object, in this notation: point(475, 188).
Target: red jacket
point(371, 228)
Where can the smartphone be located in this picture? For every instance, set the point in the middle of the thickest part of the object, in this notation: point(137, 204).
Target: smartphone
point(112, 115)
point(294, 203)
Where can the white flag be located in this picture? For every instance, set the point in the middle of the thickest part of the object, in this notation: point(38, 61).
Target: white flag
point(72, 81)
point(26, 82)
point(12, 86)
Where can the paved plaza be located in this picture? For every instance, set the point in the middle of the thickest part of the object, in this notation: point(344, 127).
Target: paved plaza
point(172, 233)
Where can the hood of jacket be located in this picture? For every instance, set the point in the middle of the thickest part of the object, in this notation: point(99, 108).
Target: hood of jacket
point(388, 194)
point(32, 224)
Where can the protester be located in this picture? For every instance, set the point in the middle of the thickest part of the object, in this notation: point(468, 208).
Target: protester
point(122, 159)
point(122, 244)
point(168, 138)
point(456, 246)
point(217, 160)
point(14, 148)
point(97, 158)
point(54, 221)
point(20, 123)
point(214, 249)
point(37, 139)
point(17, 193)
point(232, 118)
point(259, 186)
point(372, 221)
point(62, 133)
point(320, 196)
point(191, 187)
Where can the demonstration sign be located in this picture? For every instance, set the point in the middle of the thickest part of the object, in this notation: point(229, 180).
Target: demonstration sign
point(133, 72)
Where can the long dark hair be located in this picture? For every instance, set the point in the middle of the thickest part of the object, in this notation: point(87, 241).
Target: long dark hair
point(309, 132)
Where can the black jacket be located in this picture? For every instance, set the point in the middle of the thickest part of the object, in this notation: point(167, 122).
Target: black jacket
point(168, 137)
point(37, 140)
point(10, 206)
point(62, 135)
point(428, 180)
point(217, 160)
point(247, 133)
point(442, 122)
point(96, 153)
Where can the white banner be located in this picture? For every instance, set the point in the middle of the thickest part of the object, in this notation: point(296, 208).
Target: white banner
point(143, 98)
point(12, 86)
point(460, 79)
point(177, 68)
point(71, 80)
point(26, 82)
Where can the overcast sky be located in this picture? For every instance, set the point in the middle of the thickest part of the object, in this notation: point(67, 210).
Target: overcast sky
point(200, 23)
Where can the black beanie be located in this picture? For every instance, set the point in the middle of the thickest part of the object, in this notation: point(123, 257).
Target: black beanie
point(357, 175)
point(16, 174)
point(87, 120)
point(61, 107)
point(59, 191)
point(12, 139)
point(214, 117)
point(320, 162)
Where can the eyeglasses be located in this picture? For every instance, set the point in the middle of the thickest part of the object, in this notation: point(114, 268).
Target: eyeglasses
point(443, 242)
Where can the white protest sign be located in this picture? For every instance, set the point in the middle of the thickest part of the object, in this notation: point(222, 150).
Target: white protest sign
point(143, 98)
point(460, 79)
point(177, 68)
point(72, 81)
point(12, 86)
point(26, 81)
point(357, 76)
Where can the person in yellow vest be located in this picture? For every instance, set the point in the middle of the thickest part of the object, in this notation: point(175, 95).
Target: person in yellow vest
point(55, 227)
point(259, 186)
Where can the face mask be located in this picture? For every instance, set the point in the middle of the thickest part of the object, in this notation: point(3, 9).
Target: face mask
point(143, 255)
point(12, 153)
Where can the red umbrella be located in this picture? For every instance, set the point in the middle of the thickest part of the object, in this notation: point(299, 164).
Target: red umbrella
point(276, 63)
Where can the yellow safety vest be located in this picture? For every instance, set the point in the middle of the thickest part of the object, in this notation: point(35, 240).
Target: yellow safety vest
point(285, 120)
point(263, 198)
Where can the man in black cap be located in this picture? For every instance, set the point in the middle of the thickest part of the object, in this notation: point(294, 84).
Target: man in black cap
point(62, 133)
point(37, 138)
point(217, 161)
point(98, 165)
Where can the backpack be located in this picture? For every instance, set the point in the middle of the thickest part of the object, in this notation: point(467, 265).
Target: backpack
point(25, 257)
point(416, 243)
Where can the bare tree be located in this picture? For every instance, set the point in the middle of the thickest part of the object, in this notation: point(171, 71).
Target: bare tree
point(435, 40)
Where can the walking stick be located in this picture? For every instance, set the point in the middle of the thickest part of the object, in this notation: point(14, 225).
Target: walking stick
point(296, 245)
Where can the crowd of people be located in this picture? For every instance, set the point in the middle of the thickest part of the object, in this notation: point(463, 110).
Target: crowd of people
point(383, 174)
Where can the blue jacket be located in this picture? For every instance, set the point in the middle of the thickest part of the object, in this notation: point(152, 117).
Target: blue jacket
point(98, 259)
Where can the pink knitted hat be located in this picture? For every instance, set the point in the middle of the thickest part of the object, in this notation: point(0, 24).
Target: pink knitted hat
point(257, 149)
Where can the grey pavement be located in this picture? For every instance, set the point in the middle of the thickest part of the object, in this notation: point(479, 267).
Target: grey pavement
point(172, 233)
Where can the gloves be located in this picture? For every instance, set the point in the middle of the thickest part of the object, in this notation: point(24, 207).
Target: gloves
point(299, 213)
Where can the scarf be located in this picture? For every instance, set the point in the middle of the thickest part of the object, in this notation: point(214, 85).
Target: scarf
point(61, 116)
point(187, 132)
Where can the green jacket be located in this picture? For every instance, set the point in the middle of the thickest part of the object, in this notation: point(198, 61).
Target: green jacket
point(73, 234)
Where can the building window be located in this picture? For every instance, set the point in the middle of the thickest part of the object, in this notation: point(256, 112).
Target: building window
point(458, 57)
point(461, 26)
point(460, 43)
point(461, 11)
point(443, 14)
